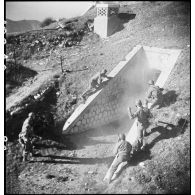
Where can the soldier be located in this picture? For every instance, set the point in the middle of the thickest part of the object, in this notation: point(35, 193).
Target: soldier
point(122, 152)
point(154, 95)
point(142, 114)
point(95, 82)
point(26, 135)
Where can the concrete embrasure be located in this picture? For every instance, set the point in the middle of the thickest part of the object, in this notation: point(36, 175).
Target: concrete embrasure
point(107, 104)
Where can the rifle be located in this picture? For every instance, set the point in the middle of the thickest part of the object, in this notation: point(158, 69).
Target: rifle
point(164, 122)
point(167, 124)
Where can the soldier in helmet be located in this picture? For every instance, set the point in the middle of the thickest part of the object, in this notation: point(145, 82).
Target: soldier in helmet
point(142, 114)
point(154, 95)
point(122, 152)
point(26, 135)
point(95, 83)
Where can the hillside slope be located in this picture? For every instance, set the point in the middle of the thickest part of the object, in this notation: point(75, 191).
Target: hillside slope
point(86, 157)
point(22, 25)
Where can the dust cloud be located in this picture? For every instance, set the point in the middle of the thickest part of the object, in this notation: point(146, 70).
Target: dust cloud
point(132, 87)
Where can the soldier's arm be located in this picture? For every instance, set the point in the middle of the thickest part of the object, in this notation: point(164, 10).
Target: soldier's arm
point(115, 151)
point(106, 76)
point(131, 115)
point(99, 78)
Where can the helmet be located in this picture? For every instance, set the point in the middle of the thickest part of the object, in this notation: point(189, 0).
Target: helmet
point(104, 71)
point(151, 82)
point(31, 115)
point(121, 136)
point(138, 103)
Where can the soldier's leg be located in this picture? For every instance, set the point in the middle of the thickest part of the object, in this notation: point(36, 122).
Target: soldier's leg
point(125, 161)
point(143, 140)
point(25, 155)
point(119, 169)
point(31, 149)
point(88, 92)
point(114, 167)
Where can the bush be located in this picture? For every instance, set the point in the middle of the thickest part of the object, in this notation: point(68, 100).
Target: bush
point(16, 74)
point(47, 21)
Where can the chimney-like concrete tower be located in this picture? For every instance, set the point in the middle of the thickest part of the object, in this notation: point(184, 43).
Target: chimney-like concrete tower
point(106, 21)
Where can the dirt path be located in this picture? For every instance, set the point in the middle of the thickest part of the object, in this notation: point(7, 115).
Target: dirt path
point(85, 166)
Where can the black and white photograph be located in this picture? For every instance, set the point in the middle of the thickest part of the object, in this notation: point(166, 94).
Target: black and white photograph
point(97, 97)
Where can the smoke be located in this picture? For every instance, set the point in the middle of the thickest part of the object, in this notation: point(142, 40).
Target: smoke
point(131, 87)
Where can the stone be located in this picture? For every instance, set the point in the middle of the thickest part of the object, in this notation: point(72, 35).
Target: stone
point(84, 121)
point(78, 123)
point(141, 164)
point(76, 129)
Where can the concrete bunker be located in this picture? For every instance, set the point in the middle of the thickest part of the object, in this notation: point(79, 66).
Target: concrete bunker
point(106, 21)
point(129, 82)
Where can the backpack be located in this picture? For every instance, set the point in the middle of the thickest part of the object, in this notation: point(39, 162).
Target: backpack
point(156, 93)
point(147, 112)
point(143, 115)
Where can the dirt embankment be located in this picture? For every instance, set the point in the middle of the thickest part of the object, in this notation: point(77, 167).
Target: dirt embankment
point(84, 158)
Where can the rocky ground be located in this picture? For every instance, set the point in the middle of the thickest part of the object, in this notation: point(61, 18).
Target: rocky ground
point(77, 164)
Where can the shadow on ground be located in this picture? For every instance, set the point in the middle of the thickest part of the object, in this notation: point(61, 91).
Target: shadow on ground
point(74, 160)
point(170, 132)
point(170, 97)
point(124, 18)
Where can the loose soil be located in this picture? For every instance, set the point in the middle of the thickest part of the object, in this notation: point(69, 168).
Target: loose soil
point(78, 163)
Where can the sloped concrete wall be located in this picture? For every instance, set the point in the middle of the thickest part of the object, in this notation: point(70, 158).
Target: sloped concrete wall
point(129, 82)
point(108, 103)
point(158, 59)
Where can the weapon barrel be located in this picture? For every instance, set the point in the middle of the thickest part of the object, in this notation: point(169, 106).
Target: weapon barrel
point(164, 122)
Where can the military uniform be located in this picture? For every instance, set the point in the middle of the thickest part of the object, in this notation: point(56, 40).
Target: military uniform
point(122, 151)
point(142, 114)
point(154, 96)
point(95, 82)
point(25, 137)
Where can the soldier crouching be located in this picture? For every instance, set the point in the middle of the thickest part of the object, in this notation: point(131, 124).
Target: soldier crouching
point(154, 95)
point(95, 83)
